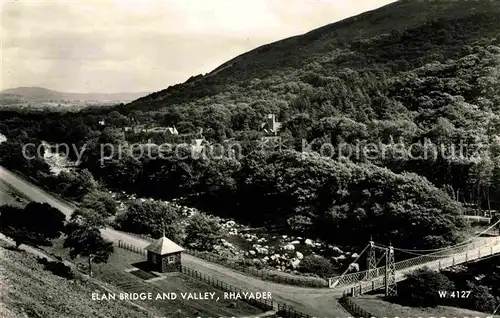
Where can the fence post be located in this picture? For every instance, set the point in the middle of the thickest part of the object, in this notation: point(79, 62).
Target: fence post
point(466, 256)
point(439, 265)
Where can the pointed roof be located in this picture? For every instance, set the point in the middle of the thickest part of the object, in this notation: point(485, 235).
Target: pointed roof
point(164, 246)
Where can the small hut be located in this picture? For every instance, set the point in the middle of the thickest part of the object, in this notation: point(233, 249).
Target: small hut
point(164, 255)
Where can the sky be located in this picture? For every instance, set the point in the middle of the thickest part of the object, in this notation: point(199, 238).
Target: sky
point(145, 46)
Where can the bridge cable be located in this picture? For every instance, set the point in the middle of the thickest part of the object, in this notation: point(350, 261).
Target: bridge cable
point(433, 255)
point(495, 311)
point(345, 272)
point(444, 248)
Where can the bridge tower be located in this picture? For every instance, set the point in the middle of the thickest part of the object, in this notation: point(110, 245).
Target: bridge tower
point(371, 260)
point(390, 273)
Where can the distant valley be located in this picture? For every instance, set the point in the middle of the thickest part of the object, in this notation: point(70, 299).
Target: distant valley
point(42, 98)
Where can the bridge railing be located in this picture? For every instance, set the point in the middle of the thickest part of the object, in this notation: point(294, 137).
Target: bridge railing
point(437, 263)
point(459, 251)
point(357, 277)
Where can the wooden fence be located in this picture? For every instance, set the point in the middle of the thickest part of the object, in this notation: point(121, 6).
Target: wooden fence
point(269, 275)
point(264, 304)
point(282, 310)
point(132, 248)
point(354, 309)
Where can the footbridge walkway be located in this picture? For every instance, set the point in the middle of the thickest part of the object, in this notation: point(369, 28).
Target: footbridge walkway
point(383, 271)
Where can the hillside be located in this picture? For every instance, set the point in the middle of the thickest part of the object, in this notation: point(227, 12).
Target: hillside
point(33, 291)
point(398, 37)
point(418, 75)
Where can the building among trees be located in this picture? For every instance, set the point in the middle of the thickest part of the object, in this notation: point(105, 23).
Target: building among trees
point(271, 126)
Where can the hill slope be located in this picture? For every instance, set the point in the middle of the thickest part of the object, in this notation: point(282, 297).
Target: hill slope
point(396, 37)
point(32, 291)
point(412, 71)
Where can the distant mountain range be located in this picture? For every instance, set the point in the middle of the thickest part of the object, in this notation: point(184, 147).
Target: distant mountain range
point(28, 95)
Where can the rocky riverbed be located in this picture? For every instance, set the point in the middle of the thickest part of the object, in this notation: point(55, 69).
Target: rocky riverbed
point(264, 248)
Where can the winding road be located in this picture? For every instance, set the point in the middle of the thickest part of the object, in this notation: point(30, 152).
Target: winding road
point(318, 302)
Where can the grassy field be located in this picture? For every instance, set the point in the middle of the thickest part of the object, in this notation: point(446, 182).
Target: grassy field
point(114, 274)
point(381, 308)
point(32, 291)
point(9, 196)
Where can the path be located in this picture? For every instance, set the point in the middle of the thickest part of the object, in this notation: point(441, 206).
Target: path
point(312, 301)
point(320, 302)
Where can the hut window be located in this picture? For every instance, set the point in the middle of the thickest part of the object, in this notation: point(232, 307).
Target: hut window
point(171, 259)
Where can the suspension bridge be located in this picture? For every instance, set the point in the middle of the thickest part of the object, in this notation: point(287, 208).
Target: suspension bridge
point(377, 276)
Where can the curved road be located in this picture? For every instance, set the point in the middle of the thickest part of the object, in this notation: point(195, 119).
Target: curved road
point(318, 302)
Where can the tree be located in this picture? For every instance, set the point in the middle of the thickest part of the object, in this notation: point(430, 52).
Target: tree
point(481, 298)
point(19, 155)
point(37, 223)
point(101, 202)
point(86, 241)
point(202, 233)
point(151, 218)
point(89, 217)
point(76, 184)
point(421, 288)
point(316, 264)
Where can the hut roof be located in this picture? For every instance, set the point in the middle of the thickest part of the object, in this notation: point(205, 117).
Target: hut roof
point(164, 246)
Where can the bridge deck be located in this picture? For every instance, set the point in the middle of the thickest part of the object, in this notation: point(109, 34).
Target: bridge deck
point(436, 262)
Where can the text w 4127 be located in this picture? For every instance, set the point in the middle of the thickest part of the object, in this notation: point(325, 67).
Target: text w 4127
point(459, 294)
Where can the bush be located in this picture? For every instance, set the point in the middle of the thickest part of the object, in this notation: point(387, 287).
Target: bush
point(57, 268)
point(102, 202)
point(481, 299)
point(151, 218)
point(421, 288)
point(202, 233)
point(306, 281)
point(314, 264)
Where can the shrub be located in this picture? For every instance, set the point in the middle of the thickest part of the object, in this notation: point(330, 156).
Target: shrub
point(317, 265)
point(421, 288)
point(202, 233)
point(481, 299)
point(305, 281)
point(57, 268)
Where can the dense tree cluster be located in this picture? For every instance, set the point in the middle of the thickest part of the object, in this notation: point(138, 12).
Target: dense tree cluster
point(427, 288)
point(432, 85)
point(153, 218)
point(202, 233)
point(37, 223)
